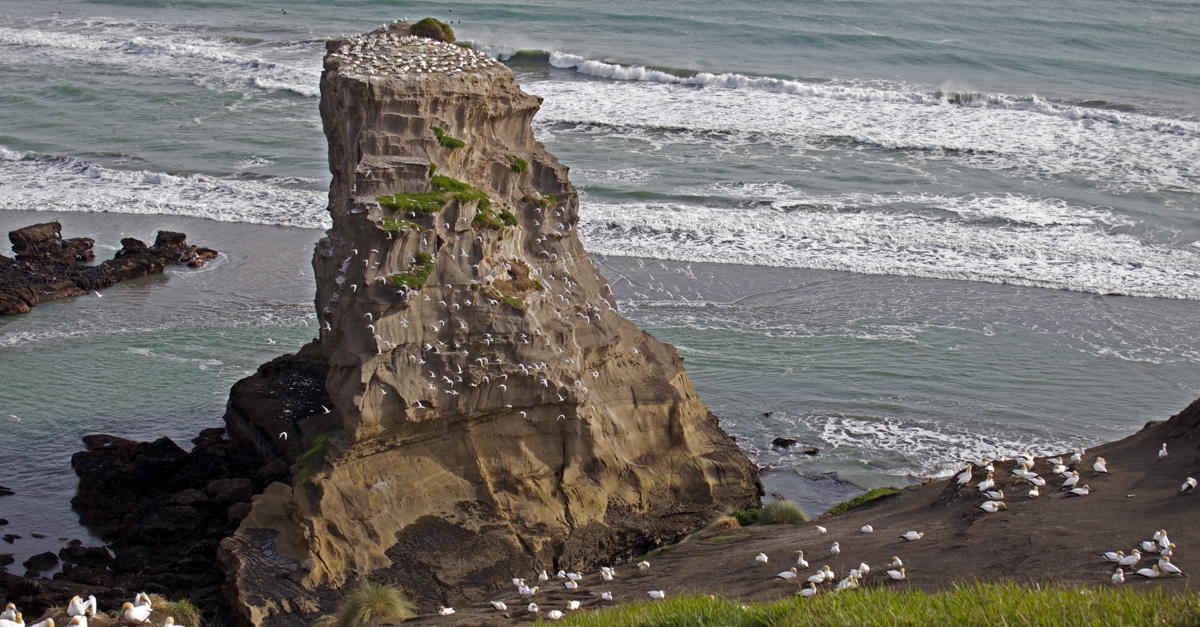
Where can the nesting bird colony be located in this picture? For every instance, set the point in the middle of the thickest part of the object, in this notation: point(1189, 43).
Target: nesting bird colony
point(389, 53)
point(138, 612)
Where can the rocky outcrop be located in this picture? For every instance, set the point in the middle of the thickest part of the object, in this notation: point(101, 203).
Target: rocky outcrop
point(490, 412)
point(48, 267)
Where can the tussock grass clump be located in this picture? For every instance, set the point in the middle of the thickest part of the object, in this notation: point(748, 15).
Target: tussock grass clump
point(517, 164)
point(370, 602)
point(184, 612)
point(1015, 605)
point(434, 29)
point(781, 512)
point(723, 523)
point(427, 202)
point(746, 517)
point(871, 495)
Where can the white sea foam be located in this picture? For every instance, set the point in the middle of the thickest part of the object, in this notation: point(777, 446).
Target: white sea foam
point(166, 51)
point(1137, 154)
point(1076, 255)
point(64, 184)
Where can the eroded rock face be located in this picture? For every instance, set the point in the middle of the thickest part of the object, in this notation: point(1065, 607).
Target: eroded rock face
point(494, 412)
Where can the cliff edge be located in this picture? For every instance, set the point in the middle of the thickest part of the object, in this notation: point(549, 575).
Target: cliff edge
point(488, 411)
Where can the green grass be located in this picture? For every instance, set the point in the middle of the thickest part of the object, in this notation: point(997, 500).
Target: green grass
point(549, 200)
point(781, 512)
point(508, 218)
point(970, 605)
point(371, 602)
point(517, 164)
point(392, 224)
point(426, 202)
point(183, 611)
point(746, 517)
point(461, 191)
point(863, 498)
point(431, 28)
point(417, 275)
point(649, 554)
point(716, 539)
point(446, 140)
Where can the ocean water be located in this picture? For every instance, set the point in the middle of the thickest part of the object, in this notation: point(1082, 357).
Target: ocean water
point(904, 233)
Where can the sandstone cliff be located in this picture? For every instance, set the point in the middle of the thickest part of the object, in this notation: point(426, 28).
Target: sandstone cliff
point(489, 412)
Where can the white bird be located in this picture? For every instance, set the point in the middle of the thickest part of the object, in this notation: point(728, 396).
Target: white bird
point(964, 477)
point(1164, 565)
point(1161, 537)
point(570, 585)
point(1118, 577)
point(1084, 491)
point(79, 607)
point(643, 565)
point(574, 576)
point(1162, 453)
point(835, 549)
point(1062, 470)
point(867, 529)
point(1100, 465)
point(801, 563)
point(656, 594)
point(573, 605)
point(1169, 551)
point(1054, 461)
point(896, 563)
point(1033, 494)
point(49, 622)
point(995, 495)
point(16, 621)
point(135, 615)
point(992, 507)
point(554, 614)
point(820, 529)
point(528, 592)
point(761, 558)
point(864, 569)
point(532, 608)
point(81, 621)
point(500, 605)
point(1071, 481)
point(849, 583)
point(818, 577)
point(987, 484)
point(1188, 486)
point(445, 611)
point(787, 575)
point(1114, 556)
point(606, 596)
point(543, 577)
point(1149, 546)
point(518, 582)
point(913, 536)
point(1131, 559)
point(9, 613)
point(606, 575)
point(1036, 480)
point(809, 591)
point(897, 574)
point(1149, 573)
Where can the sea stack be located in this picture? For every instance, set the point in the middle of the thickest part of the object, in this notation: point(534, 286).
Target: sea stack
point(489, 412)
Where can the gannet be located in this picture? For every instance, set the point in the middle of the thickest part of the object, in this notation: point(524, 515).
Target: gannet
point(864, 569)
point(606, 596)
point(1071, 481)
point(445, 611)
point(818, 577)
point(964, 477)
point(1161, 537)
point(1169, 551)
point(1164, 565)
point(761, 558)
point(570, 585)
point(573, 605)
point(820, 529)
point(49, 622)
point(135, 615)
point(606, 575)
point(528, 592)
point(987, 484)
point(1149, 546)
point(574, 576)
point(897, 574)
point(1084, 491)
point(16, 621)
point(79, 607)
point(1188, 486)
point(500, 605)
point(829, 576)
point(643, 565)
point(10, 612)
point(992, 507)
point(554, 614)
point(1062, 470)
point(835, 549)
point(1149, 573)
point(562, 574)
point(142, 600)
point(787, 575)
point(1118, 577)
point(1114, 557)
point(1036, 480)
point(995, 495)
point(1076, 458)
point(518, 582)
point(1054, 461)
point(1163, 451)
point(855, 574)
point(81, 621)
point(1100, 465)
point(1033, 494)
point(867, 529)
point(532, 608)
point(913, 536)
point(896, 563)
point(1131, 559)
point(543, 577)
point(849, 583)
point(809, 591)
point(656, 594)
point(800, 561)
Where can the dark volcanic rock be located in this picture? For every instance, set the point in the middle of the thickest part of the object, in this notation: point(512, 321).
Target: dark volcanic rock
point(783, 442)
point(47, 266)
point(41, 561)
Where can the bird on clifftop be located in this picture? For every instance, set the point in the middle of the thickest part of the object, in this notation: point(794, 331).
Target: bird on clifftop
point(1118, 577)
point(1149, 573)
point(992, 507)
point(1165, 565)
point(1129, 560)
point(643, 565)
point(79, 607)
point(499, 605)
point(836, 549)
point(787, 575)
point(964, 477)
point(16, 621)
point(801, 563)
point(1100, 465)
point(1188, 486)
point(1084, 491)
point(445, 611)
point(657, 595)
point(761, 558)
point(135, 615)
point(809, 592)
point(9, 613)
point(897, 574)
point(1162, 453)
point(913, 536)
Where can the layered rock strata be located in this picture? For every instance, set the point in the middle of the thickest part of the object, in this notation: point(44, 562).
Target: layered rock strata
point(48, 267)
point(491, 414)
